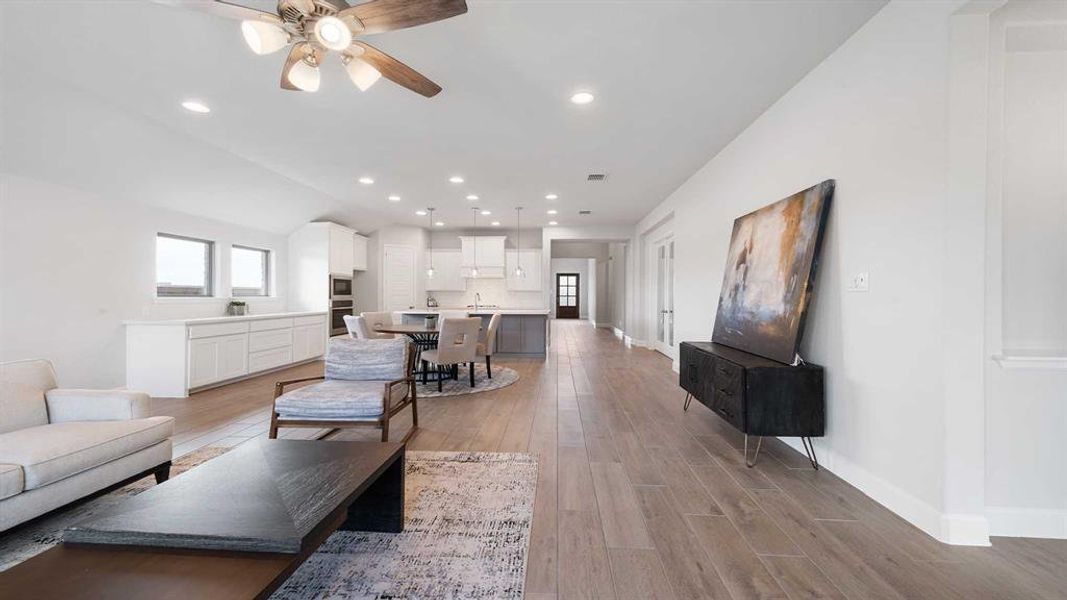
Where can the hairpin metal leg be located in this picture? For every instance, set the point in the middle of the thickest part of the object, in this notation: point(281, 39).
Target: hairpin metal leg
point(809, 449)
point(688, 401)
point(759, 442)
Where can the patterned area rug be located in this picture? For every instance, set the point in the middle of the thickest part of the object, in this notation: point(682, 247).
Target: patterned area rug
point(502, 377)
point(466, 533)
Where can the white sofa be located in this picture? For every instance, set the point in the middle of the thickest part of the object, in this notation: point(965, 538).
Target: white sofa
point(58, 445)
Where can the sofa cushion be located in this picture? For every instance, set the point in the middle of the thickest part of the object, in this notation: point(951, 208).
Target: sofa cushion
point(49, 453)
point(365, 360)
point(10, 481)
point(335, 399)
point(21, 406)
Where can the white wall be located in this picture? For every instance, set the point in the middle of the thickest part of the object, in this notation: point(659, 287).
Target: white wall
point(581, 267)
point(873, 116)
point(75, 265)
point(617, 284)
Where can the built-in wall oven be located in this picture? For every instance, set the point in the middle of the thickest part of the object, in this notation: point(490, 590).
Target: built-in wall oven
point(341, 303)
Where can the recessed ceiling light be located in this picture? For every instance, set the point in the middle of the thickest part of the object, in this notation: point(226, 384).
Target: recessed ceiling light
point(486, 213)
point(421, 213)
point(582, 97)
point(440, 223)
point(553, 223)
point(551, 196)
point(553, 211)
point(495, 223)
point(196, 106)
point(394, 198)
point(366, 180)
point(456, 179)
point(472, 197)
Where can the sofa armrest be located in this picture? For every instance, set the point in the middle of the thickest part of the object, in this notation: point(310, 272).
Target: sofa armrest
point(95, 405)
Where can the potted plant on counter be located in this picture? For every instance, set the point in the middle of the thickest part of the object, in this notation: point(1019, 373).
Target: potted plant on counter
point(237, 308)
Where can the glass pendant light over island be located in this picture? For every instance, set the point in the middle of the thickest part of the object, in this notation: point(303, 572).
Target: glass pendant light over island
point(429, 270)
point(474, 269)
point(518, 243)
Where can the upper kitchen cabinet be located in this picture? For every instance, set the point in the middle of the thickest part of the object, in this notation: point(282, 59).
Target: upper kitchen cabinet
point(484, 252)
point(359, 252)
point(342, 249)
point(530, 260)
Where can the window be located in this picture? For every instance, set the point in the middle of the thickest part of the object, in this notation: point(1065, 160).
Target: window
point(184, 266)
point(568, 290)
point(249, 271)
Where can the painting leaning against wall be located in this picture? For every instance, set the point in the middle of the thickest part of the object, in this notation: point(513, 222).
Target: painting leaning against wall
point(770, 274)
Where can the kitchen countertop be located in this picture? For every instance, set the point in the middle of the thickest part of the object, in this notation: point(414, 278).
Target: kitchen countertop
point(480, 311)
point(224, 318)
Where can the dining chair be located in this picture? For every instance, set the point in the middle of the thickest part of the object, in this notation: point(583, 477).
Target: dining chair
point(357, 328)
point(365, 384)
point(450, 314)
point(376, 320)
point(487, 345)
point(456, 344)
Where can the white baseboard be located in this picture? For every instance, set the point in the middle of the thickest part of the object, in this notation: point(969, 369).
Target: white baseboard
point(618, 332)
point(957, 529)
point(1009, 521)
point(631, 342)
point(674, 366)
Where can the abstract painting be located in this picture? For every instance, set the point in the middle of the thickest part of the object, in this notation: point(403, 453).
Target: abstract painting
point(770, 273)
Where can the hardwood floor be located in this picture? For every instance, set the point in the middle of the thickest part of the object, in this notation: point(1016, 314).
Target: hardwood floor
point(637, 499)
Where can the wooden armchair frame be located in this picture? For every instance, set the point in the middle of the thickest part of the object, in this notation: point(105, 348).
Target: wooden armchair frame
point(380, 422)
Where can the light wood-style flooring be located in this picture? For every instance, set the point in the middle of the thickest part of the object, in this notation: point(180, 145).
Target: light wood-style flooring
point(636, 499)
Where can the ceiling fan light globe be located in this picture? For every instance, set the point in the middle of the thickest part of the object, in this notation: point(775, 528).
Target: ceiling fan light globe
point(264, 38)
point(362, 73)
point(332, 33)
point(304, 76)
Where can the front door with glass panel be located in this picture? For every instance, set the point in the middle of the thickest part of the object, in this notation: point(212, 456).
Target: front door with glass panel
point(567, 296)
point(664, 302)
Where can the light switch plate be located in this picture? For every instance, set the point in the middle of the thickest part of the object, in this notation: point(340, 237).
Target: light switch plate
point(860, 282)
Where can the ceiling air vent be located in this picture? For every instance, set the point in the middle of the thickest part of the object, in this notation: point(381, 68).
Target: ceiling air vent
point(596, 177)
point(585, 212)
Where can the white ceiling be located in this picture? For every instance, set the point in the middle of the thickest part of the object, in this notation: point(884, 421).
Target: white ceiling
point(91, 94)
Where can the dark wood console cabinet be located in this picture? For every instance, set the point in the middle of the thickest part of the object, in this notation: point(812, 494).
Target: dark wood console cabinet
point(756, 395)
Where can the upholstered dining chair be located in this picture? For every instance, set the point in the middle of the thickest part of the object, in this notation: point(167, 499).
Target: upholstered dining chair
point(487, 344)
point(456, 344)
point(376, 320)
point(357, 328)
point(449, 314)
point(366, 383)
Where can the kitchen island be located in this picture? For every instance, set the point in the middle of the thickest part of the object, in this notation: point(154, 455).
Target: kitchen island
point(522, 330)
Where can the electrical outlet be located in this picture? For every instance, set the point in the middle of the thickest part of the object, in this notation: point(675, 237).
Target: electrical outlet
point(860, 282)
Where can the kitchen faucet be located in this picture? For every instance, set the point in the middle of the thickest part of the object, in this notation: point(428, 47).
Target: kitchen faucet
point(477, 300)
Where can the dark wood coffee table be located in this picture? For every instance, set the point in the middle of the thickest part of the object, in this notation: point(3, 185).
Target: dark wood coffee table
point(235, 527)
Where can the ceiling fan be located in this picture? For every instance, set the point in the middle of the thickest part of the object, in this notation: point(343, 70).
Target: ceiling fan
point(315, 28)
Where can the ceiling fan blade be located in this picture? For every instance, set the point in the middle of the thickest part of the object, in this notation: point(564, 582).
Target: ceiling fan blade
point(397, 72)
point(298, 53)
point(386, 15)
point(225, 9)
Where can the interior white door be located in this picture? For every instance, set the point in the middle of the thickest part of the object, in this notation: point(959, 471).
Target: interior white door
point(398, 266)
point(664, 299)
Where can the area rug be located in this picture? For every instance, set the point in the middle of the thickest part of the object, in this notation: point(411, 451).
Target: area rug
point(502, 377)
point(466, 533)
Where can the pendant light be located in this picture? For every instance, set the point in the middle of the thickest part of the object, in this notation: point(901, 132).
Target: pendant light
point(474, 269)
point(429, 270)
point(518, 243)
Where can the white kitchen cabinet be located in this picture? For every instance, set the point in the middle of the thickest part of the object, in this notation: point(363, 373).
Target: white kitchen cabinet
point(531, 264)
point(217, 358)
point(309, 341)
point(359, 252)
point(448, 272)
point(167, 359)
point(482, 251)
point(342, 249)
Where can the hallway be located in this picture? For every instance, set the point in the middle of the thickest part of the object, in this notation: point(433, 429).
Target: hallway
point(637, 499)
